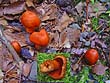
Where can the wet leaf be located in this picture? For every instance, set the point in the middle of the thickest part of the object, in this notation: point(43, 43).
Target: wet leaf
point(99, 69)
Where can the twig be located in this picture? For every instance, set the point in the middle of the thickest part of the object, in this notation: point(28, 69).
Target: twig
point(11, 49)
point(9, 46)
point(79, 59)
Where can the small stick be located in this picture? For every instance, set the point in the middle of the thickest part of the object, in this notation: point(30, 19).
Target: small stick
point(9, 46)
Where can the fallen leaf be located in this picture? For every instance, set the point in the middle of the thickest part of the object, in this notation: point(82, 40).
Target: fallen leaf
point(99, 69)
point(93, 10)
point(1, 11)
point(3, 22)
point(96, 9)
point(33, 71)
point(13, 81)
point(100, 43)
point(12, 1)
point(29, 3)
point(79, 7)
point(20, 37)
point(26, 69)
point(71, 34)
point(50, 12)
point(14, 8)
point(67, 44)
point(54, 39)
point(64, 22)
point(1, 76)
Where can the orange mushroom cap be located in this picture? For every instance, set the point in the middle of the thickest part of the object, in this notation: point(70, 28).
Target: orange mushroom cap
point(30, 21)
point(40, 38)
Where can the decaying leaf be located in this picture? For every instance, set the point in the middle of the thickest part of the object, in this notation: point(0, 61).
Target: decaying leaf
point(3, 22)
point(1, 76)
point(26, 69)
point(54, 39)
point(1, 11)
point(99, 69)
point(71, 34)
point(96, 9)
point(63, 22)
point(13, 81)
point(93, 9)
point(12, 1)
point(50, 12)
point(29, 3)
point(20, 37)
point(79, 8)
point(33, 71)
point(14, 8)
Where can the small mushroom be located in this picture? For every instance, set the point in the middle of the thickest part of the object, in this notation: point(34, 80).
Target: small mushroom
point(55, 68)
point(40, 38)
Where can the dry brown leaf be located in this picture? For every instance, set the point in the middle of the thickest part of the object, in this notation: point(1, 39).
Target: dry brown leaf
point(13, 81)
point(12, 1)
point(54, 39)
point(20, 37)
point(93, 10)
point(1, 11)
point(64, 22)
point(14, 8)
point(3, 22)
point(26, 69)
point(69, 34)
point(99, 69)
point(50, 12)
point(29, 3)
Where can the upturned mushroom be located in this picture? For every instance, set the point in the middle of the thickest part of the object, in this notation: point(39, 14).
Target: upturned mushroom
point(55, 68)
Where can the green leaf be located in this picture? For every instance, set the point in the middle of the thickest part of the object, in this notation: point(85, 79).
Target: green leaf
point(93, 1)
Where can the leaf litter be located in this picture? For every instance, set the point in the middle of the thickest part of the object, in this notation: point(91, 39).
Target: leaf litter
point(65, 31)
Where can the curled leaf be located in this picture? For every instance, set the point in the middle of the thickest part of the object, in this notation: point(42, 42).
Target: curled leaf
point(99, 69)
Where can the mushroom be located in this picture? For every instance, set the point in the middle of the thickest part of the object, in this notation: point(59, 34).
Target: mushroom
point(40, 38)
point(54, 68)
